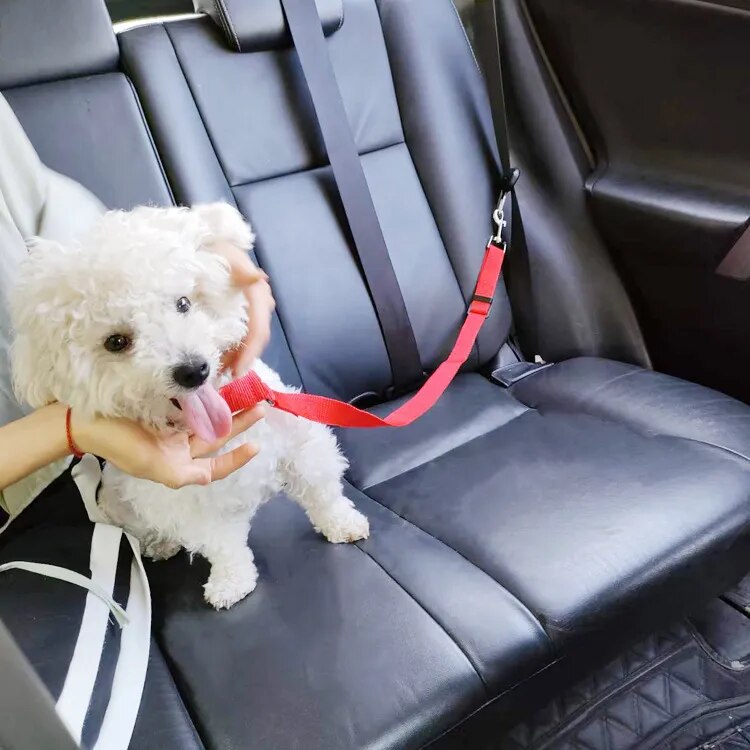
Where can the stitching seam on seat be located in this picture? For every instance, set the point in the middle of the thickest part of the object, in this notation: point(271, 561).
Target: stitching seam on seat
point(198, 109)
point(588, 407)
point(220, 18)
point(146, 127)
point(466, 37)
point(182, 688)
point(436, 456)
point(227, 21)
point(475, 348)
point(450, 450)
point(431, 616)
point(492, 700)
point(305, 170)
point(464, 297)
point(341, 20)
point(179, 686)
point(718, 447)
point(522, 605)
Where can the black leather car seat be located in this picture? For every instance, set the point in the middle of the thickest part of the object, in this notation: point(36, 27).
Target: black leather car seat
point(516, 533)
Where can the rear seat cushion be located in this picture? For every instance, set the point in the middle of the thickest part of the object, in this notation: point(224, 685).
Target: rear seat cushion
point(328, 652)
point(503, 538)
point(649, 403)
point(606, 489)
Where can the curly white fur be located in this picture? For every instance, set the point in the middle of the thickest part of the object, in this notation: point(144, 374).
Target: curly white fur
point(124, 278)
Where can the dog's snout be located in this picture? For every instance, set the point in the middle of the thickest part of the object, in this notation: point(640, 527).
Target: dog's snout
point(192, 373)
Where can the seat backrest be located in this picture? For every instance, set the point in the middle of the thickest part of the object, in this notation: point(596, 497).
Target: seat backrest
point(232, 119)
point(59, 71)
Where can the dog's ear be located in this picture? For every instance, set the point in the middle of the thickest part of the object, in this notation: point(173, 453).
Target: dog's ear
point(223, 223)
point(39, 323)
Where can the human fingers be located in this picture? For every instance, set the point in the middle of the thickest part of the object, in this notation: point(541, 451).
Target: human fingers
point(260, 307)
point(240, 422)
point(222, 466)
point(242, 270)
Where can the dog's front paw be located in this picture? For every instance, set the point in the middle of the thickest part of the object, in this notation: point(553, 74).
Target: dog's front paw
point(344, 524)
point(229, 584)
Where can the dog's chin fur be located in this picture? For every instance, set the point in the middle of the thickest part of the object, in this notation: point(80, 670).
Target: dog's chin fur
point(125, 278)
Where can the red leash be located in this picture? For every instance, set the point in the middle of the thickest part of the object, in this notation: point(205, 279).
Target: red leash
point(249, 390)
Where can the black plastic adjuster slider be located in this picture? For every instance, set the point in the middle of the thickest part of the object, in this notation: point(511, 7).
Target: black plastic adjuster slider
point(478, 302)
point(481, 298)
point(508, 180)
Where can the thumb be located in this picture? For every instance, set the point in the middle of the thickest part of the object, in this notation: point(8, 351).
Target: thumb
point(197, 471)
point(245, 274)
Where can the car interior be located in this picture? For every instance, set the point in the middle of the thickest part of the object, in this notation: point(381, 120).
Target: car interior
point(559, 547)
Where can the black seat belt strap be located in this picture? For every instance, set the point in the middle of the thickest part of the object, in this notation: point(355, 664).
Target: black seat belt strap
point(307, 33)
point(518, 275)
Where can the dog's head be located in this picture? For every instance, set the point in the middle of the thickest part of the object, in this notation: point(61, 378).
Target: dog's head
point(133, 320)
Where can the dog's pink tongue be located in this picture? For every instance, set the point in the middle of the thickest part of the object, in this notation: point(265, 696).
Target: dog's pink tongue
point(206, 413)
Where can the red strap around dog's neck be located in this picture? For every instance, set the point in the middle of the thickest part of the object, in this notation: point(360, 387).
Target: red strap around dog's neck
point(249, 390)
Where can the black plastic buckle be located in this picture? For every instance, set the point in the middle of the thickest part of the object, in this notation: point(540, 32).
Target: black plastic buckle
point(482, 298)
point(509, 375)
point(508, 180)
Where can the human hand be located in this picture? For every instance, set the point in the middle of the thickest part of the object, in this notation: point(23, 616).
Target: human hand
point(173, 459)
point(260, 306)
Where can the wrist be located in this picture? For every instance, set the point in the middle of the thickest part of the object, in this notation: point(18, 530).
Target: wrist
point(72, 447)
point(80, 433)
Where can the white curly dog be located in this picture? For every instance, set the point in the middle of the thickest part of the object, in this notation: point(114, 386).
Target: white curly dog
point(132, 322)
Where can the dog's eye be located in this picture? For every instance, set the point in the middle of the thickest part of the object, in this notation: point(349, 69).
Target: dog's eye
point(183, 304)
point(116, 343)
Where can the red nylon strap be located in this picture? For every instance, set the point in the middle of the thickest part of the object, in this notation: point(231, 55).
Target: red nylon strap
point(250, 389)
point(72, 447)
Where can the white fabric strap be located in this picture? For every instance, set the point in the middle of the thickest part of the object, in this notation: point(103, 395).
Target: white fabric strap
point(129, 677)
point(132, 664)
point(70, 576)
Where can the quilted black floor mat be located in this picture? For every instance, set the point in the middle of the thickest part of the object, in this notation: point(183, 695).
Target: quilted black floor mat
point(684, 689)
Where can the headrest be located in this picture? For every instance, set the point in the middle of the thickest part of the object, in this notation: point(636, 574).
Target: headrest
point(254, 25)
point(45, 40)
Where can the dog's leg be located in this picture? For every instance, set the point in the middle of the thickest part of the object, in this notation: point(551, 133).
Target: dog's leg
point(312, 477)
point(233, 573)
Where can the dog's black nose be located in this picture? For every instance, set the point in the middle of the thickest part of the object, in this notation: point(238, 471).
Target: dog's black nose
point(191, 374)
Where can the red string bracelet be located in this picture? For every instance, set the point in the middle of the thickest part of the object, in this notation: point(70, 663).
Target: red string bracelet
point(72, 447)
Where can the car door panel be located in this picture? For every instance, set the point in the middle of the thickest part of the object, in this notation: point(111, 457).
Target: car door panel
point(661, 92)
